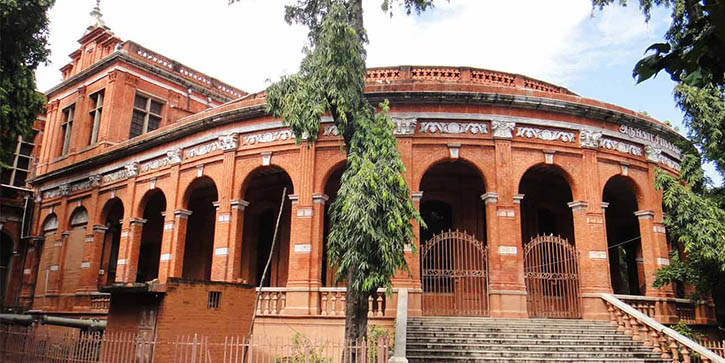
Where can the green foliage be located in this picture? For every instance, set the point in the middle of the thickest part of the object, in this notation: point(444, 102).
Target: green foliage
point(687, 331)
point(370, 220)
point(376, 334)
point(693, 51)
point(303, 351)
point(705, 117)
point(23, 47)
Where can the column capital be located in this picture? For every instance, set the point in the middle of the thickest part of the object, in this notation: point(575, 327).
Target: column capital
point(133, 221)
point(490, 197)
point(320, 198)
point(65, 234)
point(294, 198)
point(518, 198)
point(182, 213)
point(416, 196)
point(99, 228)
point(645, 214)
point(239, 204)
point(578, 205)
point(216, 204)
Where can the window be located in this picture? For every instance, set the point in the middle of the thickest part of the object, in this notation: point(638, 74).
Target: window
point(215, 298)
point(96, 107)
point(19, 166)
point(66, 127)
point(146, 116)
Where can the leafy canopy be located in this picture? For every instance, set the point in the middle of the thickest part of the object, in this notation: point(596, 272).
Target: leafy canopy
point(23, 47)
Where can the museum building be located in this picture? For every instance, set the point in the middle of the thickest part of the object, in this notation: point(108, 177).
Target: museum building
point(151, 175)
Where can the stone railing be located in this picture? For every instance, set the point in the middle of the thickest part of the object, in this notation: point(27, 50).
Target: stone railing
point(668, 310)
point(460, 74)
point(686, 312)
point(643, 304)
point(272, 301)
point(100, 301)
point(663, 340)
point(716, 346)
point(332, 302)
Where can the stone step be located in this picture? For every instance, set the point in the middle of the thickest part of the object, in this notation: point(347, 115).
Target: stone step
point(448, 353)
point(524, 347)
point(543, 330)
point(514, 335)
point(427, 359)
point(480, 321)
point(501, 341)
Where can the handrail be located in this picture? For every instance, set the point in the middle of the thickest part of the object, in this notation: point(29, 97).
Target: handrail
point(656, 326)
point(401, 328)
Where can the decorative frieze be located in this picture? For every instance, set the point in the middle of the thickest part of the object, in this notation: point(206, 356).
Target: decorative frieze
point(621, 146)
point(173, 156)
point(653, 153)
point(545, 134)
point(64, 189)
point(404, 126)
point(452, 127)
point(654, 140)
point(503, 129)
point(51, 193)
point(669, 162)
point(95, 180)
point(229, 141)
point(203, 149)
point(589, 138)
point(266, 137)
point(128, 170)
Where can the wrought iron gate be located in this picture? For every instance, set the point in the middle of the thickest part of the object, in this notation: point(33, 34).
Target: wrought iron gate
point(551, 272)
point(454, 275)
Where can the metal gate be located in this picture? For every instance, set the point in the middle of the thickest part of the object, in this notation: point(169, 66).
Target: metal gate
point(551, 272)
point(454, 275)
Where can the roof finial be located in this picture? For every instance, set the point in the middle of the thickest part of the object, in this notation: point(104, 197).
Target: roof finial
point(96, 15)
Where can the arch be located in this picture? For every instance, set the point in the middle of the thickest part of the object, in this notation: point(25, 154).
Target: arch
point(261, 170)
point(335, 168)
point(544, 208)
point(458, 184)
point(200, 198)
point(144, 200)
point(562, 170)
point(78, 217)
point(445, 158)
point(623, 236)
point(331, 187)
point(263, 190)
point(6, 252)
point(112, 214)
point(50, 223)
point(151, 234)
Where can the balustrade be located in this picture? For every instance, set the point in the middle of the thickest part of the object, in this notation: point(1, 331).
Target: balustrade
point(272, 301)
point(663, 340)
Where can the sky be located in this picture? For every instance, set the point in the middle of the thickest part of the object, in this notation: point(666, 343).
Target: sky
point(248, 44)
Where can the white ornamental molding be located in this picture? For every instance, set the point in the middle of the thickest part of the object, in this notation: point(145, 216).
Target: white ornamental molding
point(266, 137)
point(650, 138)
point(173, 156)
point(589, 138)
point(330, 130)
point(83, 185)
point(545, 134)
point(653, 153)
point(452, 127)
point(64, 189)
point(131, 169)
point(51, 193)
point(202, 149)
point(503, 129)
point(229, 141)
point(95, 180)
point(404, 126)
point(669, 163)
point(621, 146)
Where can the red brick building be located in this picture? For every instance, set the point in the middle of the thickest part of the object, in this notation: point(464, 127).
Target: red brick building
point(154, 177)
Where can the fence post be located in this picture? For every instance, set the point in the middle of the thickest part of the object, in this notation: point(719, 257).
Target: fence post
point(401, 327)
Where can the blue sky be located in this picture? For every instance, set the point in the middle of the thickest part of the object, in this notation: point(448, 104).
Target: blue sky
point(248, 43)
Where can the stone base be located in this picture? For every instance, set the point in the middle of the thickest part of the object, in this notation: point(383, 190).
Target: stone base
point(508, 304)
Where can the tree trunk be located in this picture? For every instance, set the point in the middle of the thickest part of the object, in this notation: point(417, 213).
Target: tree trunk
point(356, 323)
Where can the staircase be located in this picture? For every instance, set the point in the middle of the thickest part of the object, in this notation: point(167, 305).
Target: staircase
point(458, 339)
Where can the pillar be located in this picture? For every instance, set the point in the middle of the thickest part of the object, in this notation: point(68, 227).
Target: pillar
point(135, 234)
point(223, 225)
point(236, 240)
point(176, 257)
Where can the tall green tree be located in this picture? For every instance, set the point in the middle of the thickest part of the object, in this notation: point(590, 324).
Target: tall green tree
point(23, 47)
point(371, 216)
point(693, 54)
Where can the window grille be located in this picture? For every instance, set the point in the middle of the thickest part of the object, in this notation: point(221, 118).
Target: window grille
point(214, 300)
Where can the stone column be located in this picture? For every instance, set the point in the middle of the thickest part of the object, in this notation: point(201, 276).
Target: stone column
point(300, 250)
point(220, 257)
point(236, 240)
point(170, 222)
point(135, 233)
point(90, 274)
point(176, 258)
point(655, 253)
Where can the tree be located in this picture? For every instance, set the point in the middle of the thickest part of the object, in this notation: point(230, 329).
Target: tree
point(371, 216)
point(694, 56)
point(24, 45)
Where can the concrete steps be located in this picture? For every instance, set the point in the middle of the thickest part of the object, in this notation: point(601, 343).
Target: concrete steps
point(459, 339)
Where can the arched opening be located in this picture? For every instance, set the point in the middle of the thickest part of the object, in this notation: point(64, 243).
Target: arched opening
point(551, 271)
point(199, 244)
point(544, 208)
point(113, 212)
point(331, 188)
point(151, 235)
point(48, 256)
point(74, 249)
point(452, 245)
point(6, 251)
point(263, 191)
point(623, 237)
